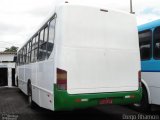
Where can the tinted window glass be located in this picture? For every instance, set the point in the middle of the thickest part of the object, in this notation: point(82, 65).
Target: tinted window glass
point(46, 34)
point(157, 43)
point(51, 37)
point(43, 44)
point(27, 48)
point(29, 52)
point(41, 37)
point(20, 57)
point(24, 55)
point(34, 48)
point(145, 38)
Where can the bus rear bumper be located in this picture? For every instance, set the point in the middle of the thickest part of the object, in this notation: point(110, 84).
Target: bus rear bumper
point(65, 101)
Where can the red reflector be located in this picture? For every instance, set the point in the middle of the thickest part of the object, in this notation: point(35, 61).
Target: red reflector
point(78, 100)
point(105, 101)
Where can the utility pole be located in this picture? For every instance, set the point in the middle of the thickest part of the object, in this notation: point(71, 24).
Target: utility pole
point(131, 8)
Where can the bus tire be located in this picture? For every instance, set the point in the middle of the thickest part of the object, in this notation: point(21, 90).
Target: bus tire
point(144, 105)
point(30, 101)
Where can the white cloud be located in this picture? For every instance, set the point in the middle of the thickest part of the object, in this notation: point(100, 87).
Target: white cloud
point(19, 17)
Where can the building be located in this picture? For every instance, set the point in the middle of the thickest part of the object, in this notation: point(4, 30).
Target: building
point(7, 69)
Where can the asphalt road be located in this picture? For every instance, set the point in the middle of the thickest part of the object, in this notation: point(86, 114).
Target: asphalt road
point(14, 106)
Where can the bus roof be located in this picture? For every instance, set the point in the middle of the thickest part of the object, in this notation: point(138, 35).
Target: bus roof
point(149, 25)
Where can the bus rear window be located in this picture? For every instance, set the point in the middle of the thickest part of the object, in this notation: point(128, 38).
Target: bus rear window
point(145, 38)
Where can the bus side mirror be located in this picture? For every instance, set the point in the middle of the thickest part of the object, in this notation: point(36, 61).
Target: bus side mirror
point(15, 59)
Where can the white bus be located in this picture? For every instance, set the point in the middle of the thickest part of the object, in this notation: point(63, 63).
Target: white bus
point(83, 56)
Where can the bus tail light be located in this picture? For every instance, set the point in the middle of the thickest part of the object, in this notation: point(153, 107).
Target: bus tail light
point(61, 79)
point(139, 78)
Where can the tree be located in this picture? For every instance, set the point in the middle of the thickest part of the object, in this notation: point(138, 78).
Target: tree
point(11, 49)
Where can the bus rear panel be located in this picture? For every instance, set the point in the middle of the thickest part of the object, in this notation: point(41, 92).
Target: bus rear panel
point(98, 59)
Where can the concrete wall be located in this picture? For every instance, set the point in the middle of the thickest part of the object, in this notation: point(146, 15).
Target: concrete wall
point(6, 57)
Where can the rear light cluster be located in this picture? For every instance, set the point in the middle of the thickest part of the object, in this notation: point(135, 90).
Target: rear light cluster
point(139, 78)
point(61, 79)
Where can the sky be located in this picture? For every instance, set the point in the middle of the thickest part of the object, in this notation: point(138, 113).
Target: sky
point(19, 18)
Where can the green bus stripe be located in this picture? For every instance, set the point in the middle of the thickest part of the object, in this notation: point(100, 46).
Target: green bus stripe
point(65, 101)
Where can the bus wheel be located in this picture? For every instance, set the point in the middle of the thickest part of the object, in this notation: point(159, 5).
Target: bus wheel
point(144, 105)
point(30, 95)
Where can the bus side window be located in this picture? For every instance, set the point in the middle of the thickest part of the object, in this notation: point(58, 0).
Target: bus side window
point(24, 55)
point(21, 57)
point(27, 51)
point(43, 43)
point(157, 43)
point(145, 40)
point(17, 62)
point(51, 37)
point(34, 49)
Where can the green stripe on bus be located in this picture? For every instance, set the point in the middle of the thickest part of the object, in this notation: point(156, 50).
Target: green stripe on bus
point(65, 101)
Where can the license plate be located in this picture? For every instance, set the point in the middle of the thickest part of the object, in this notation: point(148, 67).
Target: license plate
point(105, 101)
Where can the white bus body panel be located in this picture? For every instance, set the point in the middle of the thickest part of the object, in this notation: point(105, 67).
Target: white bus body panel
point(41, 75)
point(153, 82)
point(99, 50)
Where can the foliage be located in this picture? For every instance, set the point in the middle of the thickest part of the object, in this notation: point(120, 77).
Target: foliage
point(11, 49)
